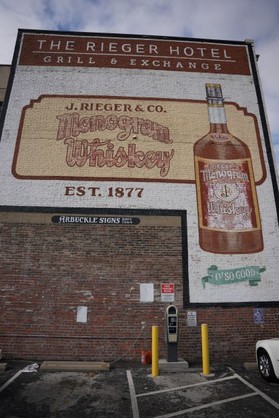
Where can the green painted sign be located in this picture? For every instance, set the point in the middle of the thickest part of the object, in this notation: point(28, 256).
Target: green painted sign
point(228, 276)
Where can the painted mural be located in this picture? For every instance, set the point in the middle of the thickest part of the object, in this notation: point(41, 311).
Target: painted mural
point(113, 122)
point(229, 219)
point(135, 139)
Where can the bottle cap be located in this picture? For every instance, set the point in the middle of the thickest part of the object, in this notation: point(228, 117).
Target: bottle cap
point(214, 91)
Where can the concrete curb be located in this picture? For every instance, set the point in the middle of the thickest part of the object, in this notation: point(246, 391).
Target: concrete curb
point(74, 366)
point(174, 367)
point(3, 366)
point(249, 365)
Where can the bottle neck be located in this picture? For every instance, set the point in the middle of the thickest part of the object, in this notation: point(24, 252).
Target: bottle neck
point(219, 128)
point(217, 116)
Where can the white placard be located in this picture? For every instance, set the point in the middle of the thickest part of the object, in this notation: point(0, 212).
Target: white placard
point(146, 292)
point(191, 318)
point(82, 314)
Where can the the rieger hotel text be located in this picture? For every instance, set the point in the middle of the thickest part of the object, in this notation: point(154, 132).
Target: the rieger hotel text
point(132, 53)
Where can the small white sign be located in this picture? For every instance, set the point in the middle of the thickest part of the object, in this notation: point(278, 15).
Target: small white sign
point(191, 318)
point(146, 292)
point(82, 314)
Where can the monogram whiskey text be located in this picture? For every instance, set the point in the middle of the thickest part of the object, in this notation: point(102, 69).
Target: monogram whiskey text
point(103, 153)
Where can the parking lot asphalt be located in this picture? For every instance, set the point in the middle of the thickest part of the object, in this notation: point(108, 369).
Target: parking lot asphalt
point(128, 390)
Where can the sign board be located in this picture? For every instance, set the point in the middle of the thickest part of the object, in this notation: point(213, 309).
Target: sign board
point(94, 220)
point(146, 292)
point(113, 121)
point(191, 319)
point(258, 316)
point(82, 314)
point(167, 292)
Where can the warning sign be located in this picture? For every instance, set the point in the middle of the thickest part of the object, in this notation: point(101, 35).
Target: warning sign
point(167, 292)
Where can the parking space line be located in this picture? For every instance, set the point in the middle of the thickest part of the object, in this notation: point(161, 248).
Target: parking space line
point(133, 396)
point(255, 392)
point(28, 369)
point(185, 387)
point(259, 392)
point(207, 405)
point(11, 380)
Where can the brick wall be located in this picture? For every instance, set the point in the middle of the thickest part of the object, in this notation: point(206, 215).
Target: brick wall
point(48, 270)
point(232, 333)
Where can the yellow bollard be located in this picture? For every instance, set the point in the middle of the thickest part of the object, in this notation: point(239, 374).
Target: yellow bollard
point(155, 351)
point(205, 350)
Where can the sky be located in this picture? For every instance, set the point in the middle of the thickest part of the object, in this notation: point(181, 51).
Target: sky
point(235, 20)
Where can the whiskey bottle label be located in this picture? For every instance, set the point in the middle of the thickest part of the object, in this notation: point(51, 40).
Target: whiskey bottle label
point(226, 193)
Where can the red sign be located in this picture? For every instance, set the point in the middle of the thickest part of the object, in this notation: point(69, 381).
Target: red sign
point(167, 292)
point(167, 288)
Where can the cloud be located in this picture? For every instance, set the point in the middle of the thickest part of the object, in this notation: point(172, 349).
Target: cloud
point(157, 17)
point(13, 15)
point(268, 65)
point(235, 20)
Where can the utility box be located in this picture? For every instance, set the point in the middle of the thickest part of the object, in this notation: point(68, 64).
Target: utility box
point(172, 333)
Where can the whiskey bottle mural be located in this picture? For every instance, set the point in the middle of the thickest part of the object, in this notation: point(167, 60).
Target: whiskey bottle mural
point(229, 219)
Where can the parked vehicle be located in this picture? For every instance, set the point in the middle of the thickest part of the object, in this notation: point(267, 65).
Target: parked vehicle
point(267, 354)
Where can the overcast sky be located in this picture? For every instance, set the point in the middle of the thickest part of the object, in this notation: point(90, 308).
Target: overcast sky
point(209, 19)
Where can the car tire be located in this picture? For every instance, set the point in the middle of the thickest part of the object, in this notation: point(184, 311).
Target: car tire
point(265, 366)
